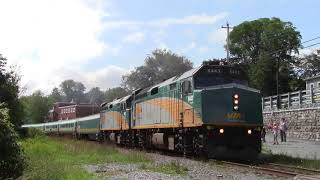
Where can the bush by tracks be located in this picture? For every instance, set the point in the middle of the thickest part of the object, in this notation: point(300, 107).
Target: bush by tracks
point(11, 157)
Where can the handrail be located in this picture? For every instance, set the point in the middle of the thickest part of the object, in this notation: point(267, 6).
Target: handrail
point(292, 100)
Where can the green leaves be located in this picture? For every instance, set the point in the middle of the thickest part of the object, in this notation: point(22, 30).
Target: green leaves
point(36, 107)
point(159, 66)
point(11, 158)
point(262, 44)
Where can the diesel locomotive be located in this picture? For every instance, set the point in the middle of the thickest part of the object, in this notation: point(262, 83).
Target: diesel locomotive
point(209, 110)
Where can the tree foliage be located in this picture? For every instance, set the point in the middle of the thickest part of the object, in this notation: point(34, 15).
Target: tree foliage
point(36, 107)
point(11, 157)
point(95, 96)
point(56, 95)
point(159, 66)
point(114, 93)
point(309, 65)
point(9, 92)
point(73, 91)
point(263, 46)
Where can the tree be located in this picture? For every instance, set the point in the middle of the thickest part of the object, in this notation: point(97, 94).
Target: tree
point(159, 66)
point(36, 107)
point(266, 43)
point(11, 157)
point(309, 65)
point(73, 91)
point(9, 92)
point(114, 93)
point(56, 95)
point(95, 96)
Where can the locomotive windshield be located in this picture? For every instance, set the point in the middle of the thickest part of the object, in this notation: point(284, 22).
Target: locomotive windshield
point(218, 75)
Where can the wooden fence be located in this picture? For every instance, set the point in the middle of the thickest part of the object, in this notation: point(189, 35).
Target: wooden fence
point(292, 100)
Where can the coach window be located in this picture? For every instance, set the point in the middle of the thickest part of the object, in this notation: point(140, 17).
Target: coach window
point(186, 87)
point(110, 106)
point(154, 91)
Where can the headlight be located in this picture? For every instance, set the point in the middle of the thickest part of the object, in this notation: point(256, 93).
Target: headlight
point(221, 131)
point(236, 107)
point(249, 131)
point(236, 101)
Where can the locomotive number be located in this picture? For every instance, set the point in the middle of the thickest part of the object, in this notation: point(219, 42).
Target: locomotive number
point(214, 71)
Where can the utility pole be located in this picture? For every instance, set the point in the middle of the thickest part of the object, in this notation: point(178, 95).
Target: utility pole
point(228, 32)
point(277, 80)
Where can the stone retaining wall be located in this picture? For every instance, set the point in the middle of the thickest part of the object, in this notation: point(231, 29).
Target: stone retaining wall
point(302, 123)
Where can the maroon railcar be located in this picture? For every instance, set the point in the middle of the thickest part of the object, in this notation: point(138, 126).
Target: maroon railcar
point(64, 111)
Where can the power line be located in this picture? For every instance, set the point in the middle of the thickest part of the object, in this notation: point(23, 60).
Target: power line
point(311, 40)
point(311, 45)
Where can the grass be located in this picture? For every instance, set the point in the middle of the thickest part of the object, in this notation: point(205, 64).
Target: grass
point(268, 156)
point(172, 168)
point(61, 158)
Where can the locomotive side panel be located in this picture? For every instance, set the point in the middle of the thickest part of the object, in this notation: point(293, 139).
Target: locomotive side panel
point(165, 112)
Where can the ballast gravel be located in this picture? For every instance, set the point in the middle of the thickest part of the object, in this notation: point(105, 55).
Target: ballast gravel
point(196, 169)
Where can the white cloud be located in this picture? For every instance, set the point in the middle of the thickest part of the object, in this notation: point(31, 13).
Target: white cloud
point(218, 36)
point(135, 38)
point(198, 19)
point(189, 47)
point(193, 19)
point(106, 77)
point(44, 37)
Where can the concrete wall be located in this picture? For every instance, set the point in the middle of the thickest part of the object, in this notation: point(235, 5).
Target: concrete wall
point(302, 123)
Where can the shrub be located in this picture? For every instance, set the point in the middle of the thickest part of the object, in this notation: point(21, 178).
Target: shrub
point(33, 133)
point(11, 157)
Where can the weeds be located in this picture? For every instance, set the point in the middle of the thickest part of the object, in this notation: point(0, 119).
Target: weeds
point(60, 158)
point(269, 157)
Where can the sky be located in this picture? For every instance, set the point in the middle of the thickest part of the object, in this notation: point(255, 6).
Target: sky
point(97, 41)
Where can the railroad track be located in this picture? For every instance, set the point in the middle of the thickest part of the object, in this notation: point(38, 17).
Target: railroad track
point(281, 170)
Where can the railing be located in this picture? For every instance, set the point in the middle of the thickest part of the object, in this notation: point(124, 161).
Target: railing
point(292, 100)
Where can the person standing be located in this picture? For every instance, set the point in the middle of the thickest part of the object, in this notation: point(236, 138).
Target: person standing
point(275, 133)
point(283, 129)
point(263, 134)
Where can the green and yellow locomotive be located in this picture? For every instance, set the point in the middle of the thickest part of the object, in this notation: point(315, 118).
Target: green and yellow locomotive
point(208, 110)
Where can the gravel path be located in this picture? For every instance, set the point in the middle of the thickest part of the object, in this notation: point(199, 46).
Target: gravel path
point(195, 170)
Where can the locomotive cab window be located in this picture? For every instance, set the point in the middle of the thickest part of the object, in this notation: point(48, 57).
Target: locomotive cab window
point(186, 87)
point(154, 91)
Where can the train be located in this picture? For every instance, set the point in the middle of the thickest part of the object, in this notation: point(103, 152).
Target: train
point(209, 110)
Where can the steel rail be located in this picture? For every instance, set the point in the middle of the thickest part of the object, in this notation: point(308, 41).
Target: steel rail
point(273, 169)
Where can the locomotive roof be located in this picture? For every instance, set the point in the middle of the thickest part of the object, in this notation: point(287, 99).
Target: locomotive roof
point(119, 100)
point(176, 78)
point(171, 80)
